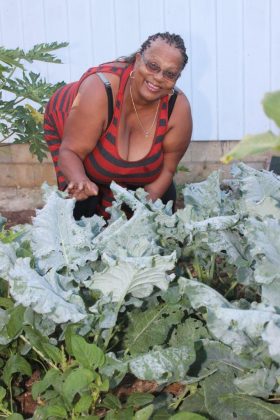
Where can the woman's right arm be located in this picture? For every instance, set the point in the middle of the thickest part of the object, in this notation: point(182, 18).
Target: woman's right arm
point(85, 123)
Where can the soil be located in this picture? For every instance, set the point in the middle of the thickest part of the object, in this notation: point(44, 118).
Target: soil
point(17, 217)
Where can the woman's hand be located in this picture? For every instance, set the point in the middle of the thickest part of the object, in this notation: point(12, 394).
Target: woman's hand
point(81, 190)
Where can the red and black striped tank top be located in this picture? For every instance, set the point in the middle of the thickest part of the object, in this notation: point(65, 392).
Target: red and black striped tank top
point(104, 164)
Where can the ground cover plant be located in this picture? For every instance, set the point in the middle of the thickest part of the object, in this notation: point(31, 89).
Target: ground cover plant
point(184, 309)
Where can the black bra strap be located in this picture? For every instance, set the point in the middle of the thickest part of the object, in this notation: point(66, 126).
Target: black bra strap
point(108, 88)
point(171, 102)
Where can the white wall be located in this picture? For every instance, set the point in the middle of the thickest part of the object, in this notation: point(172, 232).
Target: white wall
point(233, 48)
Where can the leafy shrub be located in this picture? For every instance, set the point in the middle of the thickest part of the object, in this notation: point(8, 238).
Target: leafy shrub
point(20, 121)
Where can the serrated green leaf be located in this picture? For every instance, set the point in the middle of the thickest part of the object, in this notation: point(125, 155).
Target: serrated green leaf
point(83, 405)
point(145, 413)
point(45, 295)
point(139, 399)
point(15, 323)
point(2, 393)
point(124, 414)
point(150, 328)
point(88, 355)
point(15, 416)
point(137, 276)
point(214, 354)
point(48, 380)
point(66, 244)
point(195, 403)
point(245, 406)
point(6, 303)
point(163, 365)
point(76, 382)
point(239, 328)
point(42, 344)
point(111, 402)
point(259, 383)
point(51, 411)
point(114, 369)
point(52, 352)
point(16, 364)
point(200, 294)
point(190, 331)
point(186, 415)
point(41, 52)
point(204, 198)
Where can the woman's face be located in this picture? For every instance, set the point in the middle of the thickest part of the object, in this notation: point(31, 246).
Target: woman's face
point(156, 70)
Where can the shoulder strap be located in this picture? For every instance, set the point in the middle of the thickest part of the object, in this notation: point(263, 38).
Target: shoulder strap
point(108, 88)
point(172, 101)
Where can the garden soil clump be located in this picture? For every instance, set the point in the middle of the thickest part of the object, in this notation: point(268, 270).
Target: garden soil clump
point(18, 217)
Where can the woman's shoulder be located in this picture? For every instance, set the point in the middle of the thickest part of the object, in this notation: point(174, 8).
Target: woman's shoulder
point(112, 70)
point(182, 103)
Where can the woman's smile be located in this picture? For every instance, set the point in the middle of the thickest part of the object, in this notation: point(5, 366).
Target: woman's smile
point(152, 87)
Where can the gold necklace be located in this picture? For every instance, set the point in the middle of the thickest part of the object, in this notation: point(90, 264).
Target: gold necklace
point(146, 132)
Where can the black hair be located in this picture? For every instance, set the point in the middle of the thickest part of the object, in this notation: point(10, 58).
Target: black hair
point(170, 39)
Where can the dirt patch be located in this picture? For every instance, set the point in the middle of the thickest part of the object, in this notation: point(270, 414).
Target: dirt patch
point(17, 217)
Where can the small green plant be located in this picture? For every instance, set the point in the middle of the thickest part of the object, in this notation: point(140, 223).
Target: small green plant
point(259, 143)
point(21, 115)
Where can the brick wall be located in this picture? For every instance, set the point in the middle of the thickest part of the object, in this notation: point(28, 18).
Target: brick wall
point(21, 175)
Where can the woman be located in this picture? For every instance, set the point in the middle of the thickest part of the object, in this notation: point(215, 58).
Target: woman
point(122, 121)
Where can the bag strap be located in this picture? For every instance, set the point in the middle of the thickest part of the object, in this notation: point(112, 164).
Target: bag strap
point(172, 101)
point(108, 88)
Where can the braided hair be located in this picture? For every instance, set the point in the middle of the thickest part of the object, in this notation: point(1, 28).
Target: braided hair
point(170, 39)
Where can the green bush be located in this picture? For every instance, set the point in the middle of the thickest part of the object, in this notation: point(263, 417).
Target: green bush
point(21, 115)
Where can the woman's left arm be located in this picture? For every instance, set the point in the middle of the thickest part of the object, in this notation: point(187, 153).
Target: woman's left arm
point(175, 144)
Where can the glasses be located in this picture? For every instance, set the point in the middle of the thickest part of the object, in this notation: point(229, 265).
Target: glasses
point(156, 69)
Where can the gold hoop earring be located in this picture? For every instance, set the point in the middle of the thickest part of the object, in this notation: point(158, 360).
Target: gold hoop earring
point(131, 73)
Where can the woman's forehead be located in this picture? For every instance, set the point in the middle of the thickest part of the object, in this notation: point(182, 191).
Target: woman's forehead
point(162, 50)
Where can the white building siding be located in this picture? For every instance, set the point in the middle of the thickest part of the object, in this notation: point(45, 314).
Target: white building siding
point(233, 48)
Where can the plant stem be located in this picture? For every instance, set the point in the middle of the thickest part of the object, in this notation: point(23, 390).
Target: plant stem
point(212, 267)
point(189, 272)
point(50, 363)
point(197, 267)
point(11, 396)
point(234, 284)
point(8, 77)
point(6, 138)
point(20, 100)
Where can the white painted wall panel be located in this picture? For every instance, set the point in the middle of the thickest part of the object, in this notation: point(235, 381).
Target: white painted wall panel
point(233, 48)
point(229, 69)
point(33, 28)
point(103, 27)
point(256, 50)
point(203, 64)
point(177, 20)
point(274, 50)
point(151, 18)
point(56, 24)
point(11, 29)
point(127, 27)
point(80, 42)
